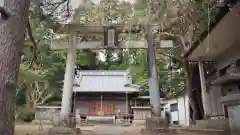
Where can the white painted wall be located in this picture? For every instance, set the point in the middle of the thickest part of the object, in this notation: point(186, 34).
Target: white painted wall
point(182, 115)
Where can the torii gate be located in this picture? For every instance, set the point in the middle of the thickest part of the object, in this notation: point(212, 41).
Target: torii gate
point(110, 41)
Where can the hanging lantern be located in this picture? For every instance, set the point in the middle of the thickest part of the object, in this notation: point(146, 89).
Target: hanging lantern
point(110, 37)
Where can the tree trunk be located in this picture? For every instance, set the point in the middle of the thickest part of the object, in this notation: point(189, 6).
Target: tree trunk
point(108, 58)
point(121, 57)
point(12, 31)
point(196, 86)
point(192, 102)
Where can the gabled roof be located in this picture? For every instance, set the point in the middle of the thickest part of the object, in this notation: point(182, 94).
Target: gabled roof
point(104, 81)
point(221, 14)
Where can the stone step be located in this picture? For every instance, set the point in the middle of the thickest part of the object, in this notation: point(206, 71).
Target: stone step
point(185, 131)
point(63, 131)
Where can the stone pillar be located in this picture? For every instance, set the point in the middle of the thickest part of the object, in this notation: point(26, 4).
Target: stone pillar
point(127, 104)
point(205, 96)
point(232, 102)
point(156, 121)
point(152, 74)
point(101, 102)
point(68, 77)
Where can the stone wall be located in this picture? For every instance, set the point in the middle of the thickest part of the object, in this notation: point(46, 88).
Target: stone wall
point(46, 115)
point(141, 113)
point(182, 131)
point(218, 124)
point(234, 119)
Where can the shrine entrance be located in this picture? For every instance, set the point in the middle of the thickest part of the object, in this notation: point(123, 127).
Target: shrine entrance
point(101, 108)
point(71, 40)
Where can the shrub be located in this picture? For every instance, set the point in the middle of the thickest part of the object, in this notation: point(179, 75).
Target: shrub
point(26, 114)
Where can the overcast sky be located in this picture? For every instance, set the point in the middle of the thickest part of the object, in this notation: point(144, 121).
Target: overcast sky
point(76, 3)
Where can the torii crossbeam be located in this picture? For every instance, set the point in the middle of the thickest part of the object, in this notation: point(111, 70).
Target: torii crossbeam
point(71, 43)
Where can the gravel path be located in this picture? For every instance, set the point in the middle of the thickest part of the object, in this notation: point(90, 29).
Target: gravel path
point(86, 130)
point(117, 130)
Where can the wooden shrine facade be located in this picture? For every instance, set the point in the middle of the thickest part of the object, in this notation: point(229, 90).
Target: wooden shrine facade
point(103, 93)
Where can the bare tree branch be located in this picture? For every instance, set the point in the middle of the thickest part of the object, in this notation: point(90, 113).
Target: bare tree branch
point(169, 56)
point(49, 9)
point(18, 91)
point(44, 99)
point(58, 4)
point(68, 8)
point(4, 14)
point(183, 42)
point(169, 34)
point(39, 93)
point(30, 34)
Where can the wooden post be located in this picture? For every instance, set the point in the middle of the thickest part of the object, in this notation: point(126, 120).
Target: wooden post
point(127, 103)
point(101, 103)
point(205, 96)
point(185, 109)
point(68, 78)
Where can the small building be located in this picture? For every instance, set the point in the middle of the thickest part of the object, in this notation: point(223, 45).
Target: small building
point(104, 94)
point(97, 95)
point(141, 109)
point(177, 108)
point(220, 88)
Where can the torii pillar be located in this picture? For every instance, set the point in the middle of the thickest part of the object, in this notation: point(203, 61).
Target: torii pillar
point(68, 77)
point(72, 45)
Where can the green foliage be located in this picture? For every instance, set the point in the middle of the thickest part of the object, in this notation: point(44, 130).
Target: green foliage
point(47, 69)
point(207, 12)
point(111, 11)
point(49, 65)
point(21, 96)
point(25, 114)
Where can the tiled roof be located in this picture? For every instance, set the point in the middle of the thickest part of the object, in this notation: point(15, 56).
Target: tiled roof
point(103, 81)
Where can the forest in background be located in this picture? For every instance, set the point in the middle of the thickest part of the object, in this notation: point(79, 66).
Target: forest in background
point(42, 69)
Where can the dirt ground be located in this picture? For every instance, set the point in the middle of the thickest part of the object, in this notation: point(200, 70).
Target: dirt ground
point(86, 130)
point(31, 129)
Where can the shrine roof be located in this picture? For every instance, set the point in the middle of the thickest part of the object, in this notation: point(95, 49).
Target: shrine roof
point(104, 81)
